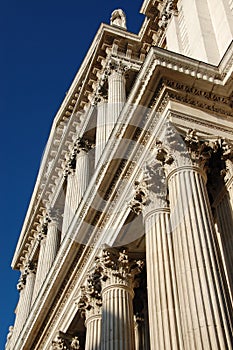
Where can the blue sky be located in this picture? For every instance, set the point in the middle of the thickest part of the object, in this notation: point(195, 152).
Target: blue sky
point(43, 44)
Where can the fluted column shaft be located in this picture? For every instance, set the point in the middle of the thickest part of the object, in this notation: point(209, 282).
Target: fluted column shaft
point(101, 129)
point(117, 315)
point(25, 287)
point(28, 293)
point(204, 316)
point(52, 243)
point(82, 173)
point(71, 201)
point(93, 332)
point(141, 336)
point(116, 98)
point(224, 215)
point(19, 319)
point(165, 332)
point(40, 266)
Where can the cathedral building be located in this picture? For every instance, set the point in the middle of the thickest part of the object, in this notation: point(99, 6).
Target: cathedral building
point(127, 242)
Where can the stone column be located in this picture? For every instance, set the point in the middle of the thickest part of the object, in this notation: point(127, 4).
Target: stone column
point(19, 318)
point(223, 204)
point(90, 305)
point(29, 288)
point(52, 240)
point(139, 332)
point(9, 338)
point(205, 321)
point(116, 94)
point(93, 325)
point(101, 128)
point(40, 264)
point(117, 297)
point(163, 306)
point(78, 173)
point(82, 167)
point(25, 287)
point(71, 191)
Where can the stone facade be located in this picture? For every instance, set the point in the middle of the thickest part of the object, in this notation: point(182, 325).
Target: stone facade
point(127, 242)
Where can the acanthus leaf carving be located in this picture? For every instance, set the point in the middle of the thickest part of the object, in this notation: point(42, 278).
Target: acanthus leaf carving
point(65, 341)
point(90, 301)
point(117, 267)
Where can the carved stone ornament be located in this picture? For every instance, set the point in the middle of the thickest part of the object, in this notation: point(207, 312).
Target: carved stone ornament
point(155, 178)
point(101, 92)
point(54, 214)
point(74, 345)
point(82, 144)
point(140, 198)
point(118, 267)
point(167, 12)
point(117, 66)
point(118, 18)
point(9, 336)
point(79, 145)
point(222, 163)
point(151, 192)
point(22, 281)
point(90, 301)
point(200, 151)
point(70, 163)
point(30, 268)
point(188, 149)
point(64, 341)
point(58, 344)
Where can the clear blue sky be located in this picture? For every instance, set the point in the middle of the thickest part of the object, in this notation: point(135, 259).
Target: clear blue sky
point(43, 44)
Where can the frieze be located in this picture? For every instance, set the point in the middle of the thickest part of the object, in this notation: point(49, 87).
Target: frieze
point(197, 92)
point(199, 104)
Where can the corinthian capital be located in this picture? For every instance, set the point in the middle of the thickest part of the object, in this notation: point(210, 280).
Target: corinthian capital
point(82, 144)
point(21, 283)
point(117, 66)
point(117, 267)
point(200, 151)
point(65, 341)
point(140, 198)
point(54, 215)
point(90, 301)
point(30, 268)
